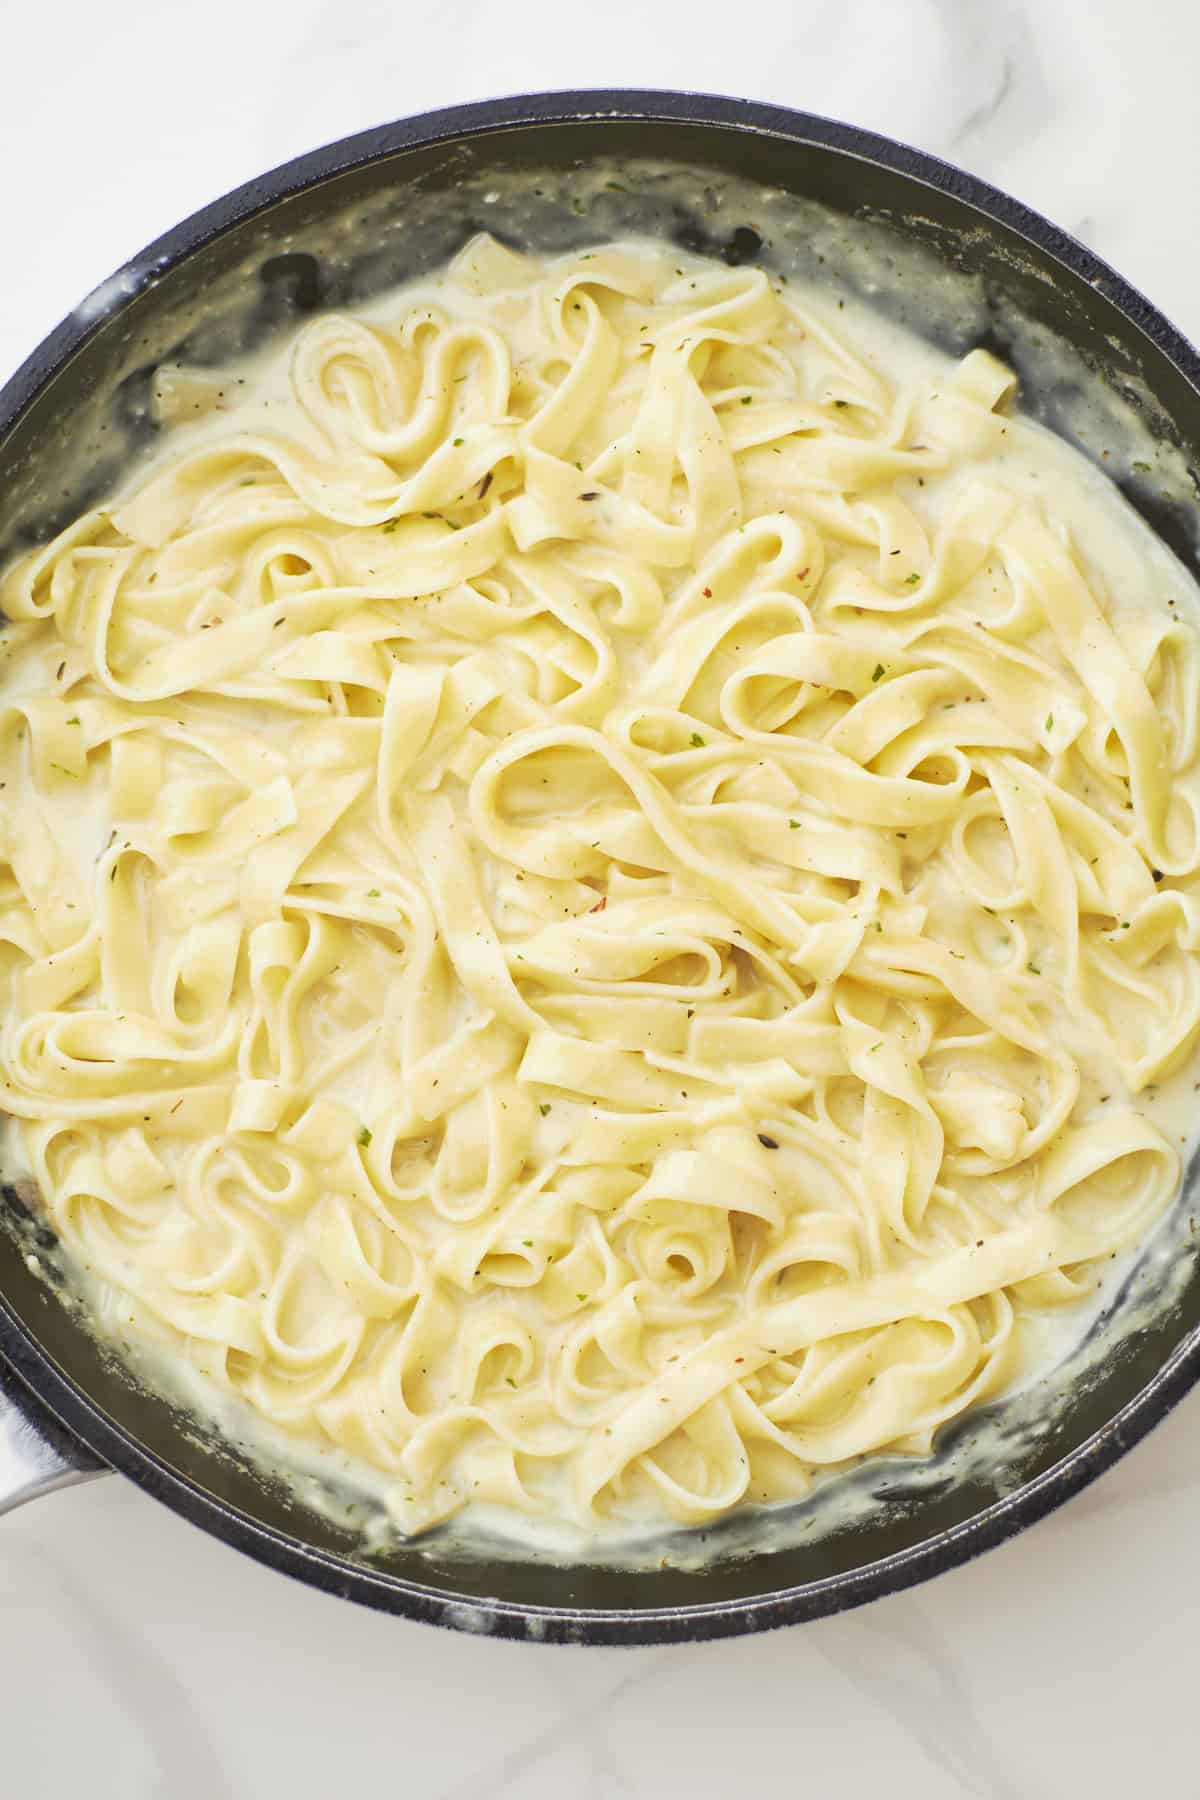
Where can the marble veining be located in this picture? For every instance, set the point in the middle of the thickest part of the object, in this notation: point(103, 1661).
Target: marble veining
point(141, 1660)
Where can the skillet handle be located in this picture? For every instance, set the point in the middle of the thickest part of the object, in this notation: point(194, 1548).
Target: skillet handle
point(37, 1453)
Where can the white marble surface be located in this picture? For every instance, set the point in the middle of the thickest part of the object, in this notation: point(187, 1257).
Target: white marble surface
point(139, 1659)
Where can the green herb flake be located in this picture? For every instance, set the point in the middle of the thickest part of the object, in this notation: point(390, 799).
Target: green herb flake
point(877, 672)
point(793, 824)
point(510, 1381)
point(1033, 968)
point(1143, 468)
point(372, 893)
point(364, 1137)
point(73, 721)
point(745, 399)
point(697, 741)
point(456, 443)
point(912, 580)
point(543, 1107)
point(1049, 722)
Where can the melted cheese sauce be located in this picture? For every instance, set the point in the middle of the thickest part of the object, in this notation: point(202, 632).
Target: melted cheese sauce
point(896, 393)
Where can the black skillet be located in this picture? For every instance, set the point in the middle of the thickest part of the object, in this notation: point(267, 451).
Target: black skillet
point(959, 261)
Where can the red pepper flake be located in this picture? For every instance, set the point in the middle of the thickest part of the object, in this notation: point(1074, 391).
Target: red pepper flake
point(708, 593)
point(600, 905)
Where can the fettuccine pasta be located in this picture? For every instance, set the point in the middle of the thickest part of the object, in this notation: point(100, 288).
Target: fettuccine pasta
point(588, 895)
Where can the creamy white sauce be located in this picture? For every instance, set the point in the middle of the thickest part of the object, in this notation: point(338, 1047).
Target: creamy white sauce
point(1134, 571)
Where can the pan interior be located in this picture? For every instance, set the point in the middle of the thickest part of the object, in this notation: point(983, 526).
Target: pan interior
point(927, 258)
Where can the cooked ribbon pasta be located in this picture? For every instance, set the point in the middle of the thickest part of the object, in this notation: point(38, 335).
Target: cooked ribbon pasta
point(588, 888)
